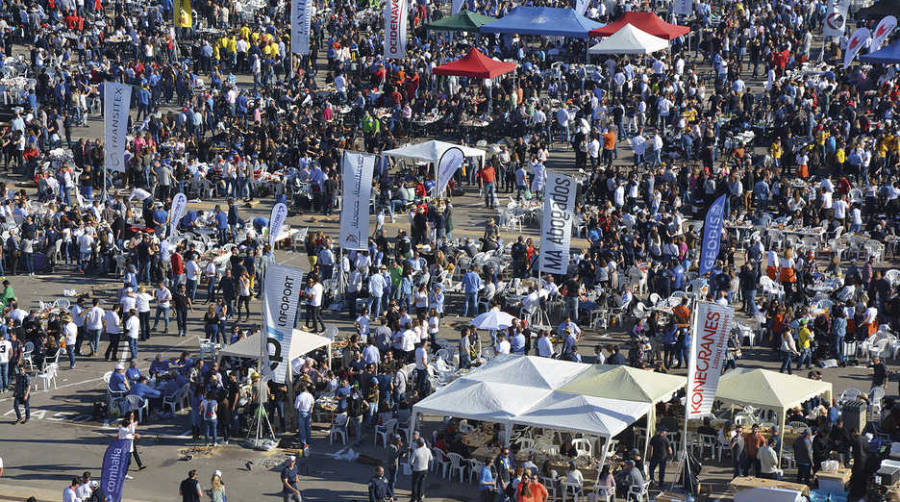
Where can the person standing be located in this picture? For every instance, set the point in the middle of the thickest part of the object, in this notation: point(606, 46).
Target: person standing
point(133, 331)
point(395, 454)
point(93, 325)
point(70, 331)
point(127, 431)
point(304, 404)
point(163, 305)
point(753, 441)
point(189, 489)
point(209, 409)
point(142, 303)
point(5, 353)
point(803, 456)
point(290, 481)
point(22, 395)
point(314, 292)
point(182, 303)
point(380, 489)
point(419, 461)
point(69, 493)
point(660, 450)
point(112, 324)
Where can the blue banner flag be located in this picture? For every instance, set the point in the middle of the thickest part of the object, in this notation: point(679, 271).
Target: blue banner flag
point(115, 467)
point(712, 234)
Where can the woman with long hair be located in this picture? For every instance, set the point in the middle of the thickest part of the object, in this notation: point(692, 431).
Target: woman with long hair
point(243, 295)
point(217, 488)
point(211, 324)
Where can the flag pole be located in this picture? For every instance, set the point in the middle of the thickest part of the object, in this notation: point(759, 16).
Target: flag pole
point(692, 360)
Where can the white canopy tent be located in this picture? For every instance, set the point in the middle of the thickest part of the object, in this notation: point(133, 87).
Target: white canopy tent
point(431, 151)
point(629, 40)
point(525, 390)
point(770, 390)
point(302, 343)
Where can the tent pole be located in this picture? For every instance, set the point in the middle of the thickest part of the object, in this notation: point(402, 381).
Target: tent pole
point(783, 413)
point(651, 419)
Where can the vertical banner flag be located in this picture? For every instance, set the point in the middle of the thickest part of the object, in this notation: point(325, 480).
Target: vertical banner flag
point(556, 227)
point(684, 7)
point(116, 102)
point(882, 31)
point(276, 221)
point(176, 212)
point(184, 14)
point(281, 299)
point(709, 340)
point(115, 467)
point(357, 170)
point(395, 14)
point(450, 161)
point(836, 17)
point(581, 6)
point(300, 22)
point(712, 234)
point(456, 6)
point(856, 43)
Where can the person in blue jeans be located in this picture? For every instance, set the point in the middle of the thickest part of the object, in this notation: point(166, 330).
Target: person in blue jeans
point(471, 285)
point(839, 330)
point(304, 405)
point(660, 450)
point(221, 225)
point(788, 351)
point(208, 409)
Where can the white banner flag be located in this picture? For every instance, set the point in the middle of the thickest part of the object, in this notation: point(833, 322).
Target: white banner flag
point(836, 18)
point(684, 7)
point(882, 31)
point(556, 228)
point(451, 160)
point(857, 41)
point(176, 212)
point(281, 299)
point(301, 14)
point(456, 6)
point(116, 101)
point(581, 6)
point(709, 340)
point(357, 170)
point(276, 221)
point(395, 15)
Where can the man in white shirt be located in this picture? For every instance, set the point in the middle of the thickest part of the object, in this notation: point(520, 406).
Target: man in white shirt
point(113, 328)
point(163, 305)
point(93, 325)
point(304, 404)
point(639, 146)
point(422, 368)
point(133, 330)
point(142, 304)
point(69, 493)
point(70, 332)
point(503, 346)
point(192, 274)
point(314, 292)
point(544, 345)
point(5, 350)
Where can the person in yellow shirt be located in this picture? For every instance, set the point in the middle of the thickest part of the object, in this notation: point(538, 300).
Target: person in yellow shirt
point(840, 156)
point(776, 152)
point(245, 32)
point(804, 345)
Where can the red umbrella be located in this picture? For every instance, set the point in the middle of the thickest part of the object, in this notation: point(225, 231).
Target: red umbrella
point(476, 65)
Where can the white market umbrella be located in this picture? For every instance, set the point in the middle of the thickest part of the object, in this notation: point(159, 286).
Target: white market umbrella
point(493, 319)
point(629, 40)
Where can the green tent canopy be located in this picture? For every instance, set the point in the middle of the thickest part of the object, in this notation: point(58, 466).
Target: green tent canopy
point(464, 20)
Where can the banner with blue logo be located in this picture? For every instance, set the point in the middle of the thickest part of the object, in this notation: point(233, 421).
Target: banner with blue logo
point(115, 467)
point(712, 234)
point(281, 299)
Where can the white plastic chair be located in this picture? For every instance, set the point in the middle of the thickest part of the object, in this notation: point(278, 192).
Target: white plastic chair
point(640, 493)
point(384, 430)
point(26, 355)
point(568, 487)
point(582, 446)
point(475, 467)
point(440, 461)
point(338, 428)
point(48, 376)
point(457, 464)
point(550, 485)
point(849, 394)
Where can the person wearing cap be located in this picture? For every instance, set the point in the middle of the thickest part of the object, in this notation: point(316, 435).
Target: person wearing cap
point(631, 478)
point(803, 456)
point(290, 481)
point(22, 395)
point(395, 454)
point(660, 451)
point(118, 382)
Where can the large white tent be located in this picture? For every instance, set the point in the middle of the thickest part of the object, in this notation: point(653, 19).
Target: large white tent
point(629, 40)
point(302, 343)
point(431, 151)
point(540, 392)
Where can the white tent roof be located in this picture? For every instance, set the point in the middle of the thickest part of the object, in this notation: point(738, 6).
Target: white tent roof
point(512, 389)
point(590, 415)
point(487, 401)
point(302, 343)
point(629, 40)
point(431, 151)
point(768, 389)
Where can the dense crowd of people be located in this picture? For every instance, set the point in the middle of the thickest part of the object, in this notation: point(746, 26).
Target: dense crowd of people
point(805, 151)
